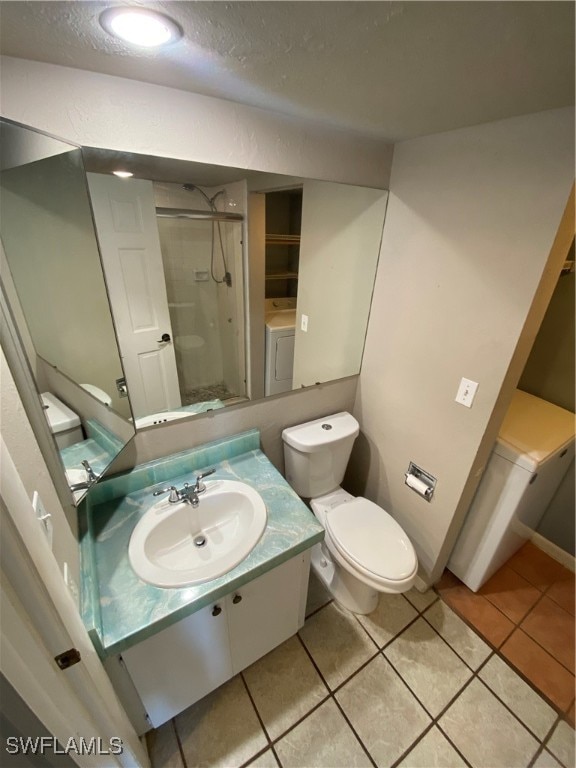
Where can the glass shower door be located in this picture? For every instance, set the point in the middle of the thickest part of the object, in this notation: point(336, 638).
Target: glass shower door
point(204, 280)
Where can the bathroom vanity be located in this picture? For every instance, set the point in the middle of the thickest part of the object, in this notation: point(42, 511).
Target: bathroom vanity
point(165, 649)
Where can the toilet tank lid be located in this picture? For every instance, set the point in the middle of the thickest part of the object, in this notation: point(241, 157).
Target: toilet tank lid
point(315, 435)
point(59, 416)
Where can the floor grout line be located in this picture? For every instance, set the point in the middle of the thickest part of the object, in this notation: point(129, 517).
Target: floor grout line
point(518, 671)
point(179, 742)
point(331, 694)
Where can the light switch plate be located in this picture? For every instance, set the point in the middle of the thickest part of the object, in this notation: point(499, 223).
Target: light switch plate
point(466, 392)
point(44, 517)
point(304, 323)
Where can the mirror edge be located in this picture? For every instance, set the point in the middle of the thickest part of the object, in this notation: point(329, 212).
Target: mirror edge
point(20, 368)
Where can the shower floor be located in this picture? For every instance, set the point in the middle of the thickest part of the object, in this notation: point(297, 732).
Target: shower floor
point(211, 392)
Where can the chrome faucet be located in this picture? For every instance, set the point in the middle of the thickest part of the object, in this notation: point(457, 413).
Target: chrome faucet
point(199, 486)
point(91, 478)
point(188, 493)
point(90, 472)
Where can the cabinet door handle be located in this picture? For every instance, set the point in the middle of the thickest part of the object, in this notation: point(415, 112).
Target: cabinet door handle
point(216, 611)
point(237, 599)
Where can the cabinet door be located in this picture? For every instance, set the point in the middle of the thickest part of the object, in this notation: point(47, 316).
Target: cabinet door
point(176, 667)
point(266, 611)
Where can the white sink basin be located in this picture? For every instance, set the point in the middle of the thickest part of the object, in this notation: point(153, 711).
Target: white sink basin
point(177, 545)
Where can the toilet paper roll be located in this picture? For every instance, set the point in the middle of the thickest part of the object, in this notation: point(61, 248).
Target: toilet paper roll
point(418, 485)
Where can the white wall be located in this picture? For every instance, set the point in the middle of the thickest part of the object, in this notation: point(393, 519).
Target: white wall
point(471, 218)
point(104, 111)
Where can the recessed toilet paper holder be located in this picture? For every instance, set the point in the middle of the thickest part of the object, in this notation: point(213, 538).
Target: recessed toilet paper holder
point(420, 481)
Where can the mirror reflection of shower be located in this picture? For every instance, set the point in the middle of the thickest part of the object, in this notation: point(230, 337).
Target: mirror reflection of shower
point(227, 278)
point(202, 258)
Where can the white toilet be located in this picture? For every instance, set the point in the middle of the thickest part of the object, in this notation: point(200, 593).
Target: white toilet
point(365, 551)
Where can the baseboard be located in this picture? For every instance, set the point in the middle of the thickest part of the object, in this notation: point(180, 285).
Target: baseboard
point(556, 552)
point(421, 585)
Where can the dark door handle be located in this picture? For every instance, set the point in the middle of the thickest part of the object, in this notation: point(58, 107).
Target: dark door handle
point(165, 339)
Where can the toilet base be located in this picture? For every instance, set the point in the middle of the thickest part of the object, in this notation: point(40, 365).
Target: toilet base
point(346, 590)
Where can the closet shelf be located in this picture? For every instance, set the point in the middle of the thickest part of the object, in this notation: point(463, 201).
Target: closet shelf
point(282, 276)
point(282, 239)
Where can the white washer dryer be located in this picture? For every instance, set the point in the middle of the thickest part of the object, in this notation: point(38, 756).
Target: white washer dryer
point(534, 449)
point(280, 328)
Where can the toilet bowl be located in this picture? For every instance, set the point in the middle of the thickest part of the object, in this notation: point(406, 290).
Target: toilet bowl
point(365, 551)
point(98, 393)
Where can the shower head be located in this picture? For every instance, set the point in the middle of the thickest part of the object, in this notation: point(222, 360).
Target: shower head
point(209, 200)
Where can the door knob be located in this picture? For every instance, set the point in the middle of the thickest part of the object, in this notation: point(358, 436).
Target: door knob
point(216, 611)
point(237, 599)
point(165, 339)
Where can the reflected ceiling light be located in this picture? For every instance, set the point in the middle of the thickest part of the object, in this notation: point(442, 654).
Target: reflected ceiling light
point(140, 26)
point(123, 174)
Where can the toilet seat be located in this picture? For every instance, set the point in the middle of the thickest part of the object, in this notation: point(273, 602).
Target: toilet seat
point(371, 540)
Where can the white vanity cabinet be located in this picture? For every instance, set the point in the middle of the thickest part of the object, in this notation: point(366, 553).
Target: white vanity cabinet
point(179, 665)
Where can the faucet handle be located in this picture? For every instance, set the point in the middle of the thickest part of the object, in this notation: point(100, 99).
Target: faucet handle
point(198, 485)
point(174, 495)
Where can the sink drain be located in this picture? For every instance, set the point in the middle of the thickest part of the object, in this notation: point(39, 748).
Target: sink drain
point(200, 541)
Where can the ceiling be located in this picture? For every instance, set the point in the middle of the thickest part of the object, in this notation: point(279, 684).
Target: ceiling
point(388, 70)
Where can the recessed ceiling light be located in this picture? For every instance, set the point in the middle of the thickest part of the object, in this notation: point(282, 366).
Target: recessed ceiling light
point(123, 174)
point(140, 26)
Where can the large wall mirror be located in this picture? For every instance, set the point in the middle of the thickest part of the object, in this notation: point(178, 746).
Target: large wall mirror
point(206, 286)
point(53, 282)
point(229, 285)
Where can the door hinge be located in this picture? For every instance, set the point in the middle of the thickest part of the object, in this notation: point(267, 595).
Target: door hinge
point(68, 658)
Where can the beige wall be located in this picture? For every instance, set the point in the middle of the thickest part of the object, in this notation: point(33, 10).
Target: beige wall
point(471, 218)
point(549, 374)
point(270, 415)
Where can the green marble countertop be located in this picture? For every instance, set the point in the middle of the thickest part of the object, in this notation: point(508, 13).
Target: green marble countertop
point(118, 608)
point(100, 447)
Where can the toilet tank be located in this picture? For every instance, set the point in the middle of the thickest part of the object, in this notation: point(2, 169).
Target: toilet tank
point(316, 453)
point(64, 424)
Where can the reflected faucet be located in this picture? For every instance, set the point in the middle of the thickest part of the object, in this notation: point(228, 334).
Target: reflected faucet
point(91, 478)
point(90, 472)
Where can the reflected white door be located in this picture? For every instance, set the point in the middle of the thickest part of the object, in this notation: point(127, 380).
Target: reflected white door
point(125, 217)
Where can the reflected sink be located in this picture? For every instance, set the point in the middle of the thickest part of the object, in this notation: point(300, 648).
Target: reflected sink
point(178, 545)
point(160, 418)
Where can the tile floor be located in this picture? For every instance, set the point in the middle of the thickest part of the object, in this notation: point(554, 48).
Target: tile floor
point(526, 611)
point(411, 685)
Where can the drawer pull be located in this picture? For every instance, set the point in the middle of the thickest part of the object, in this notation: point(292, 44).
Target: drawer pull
point(237, 599)
point(216, 611)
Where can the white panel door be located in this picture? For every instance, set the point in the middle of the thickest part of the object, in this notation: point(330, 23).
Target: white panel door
point(125, 217)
